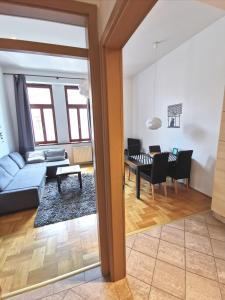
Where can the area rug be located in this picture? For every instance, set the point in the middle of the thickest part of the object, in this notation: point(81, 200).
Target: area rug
point(71, 203)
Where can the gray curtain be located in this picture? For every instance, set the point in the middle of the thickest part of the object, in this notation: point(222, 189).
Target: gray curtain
point(25, 128)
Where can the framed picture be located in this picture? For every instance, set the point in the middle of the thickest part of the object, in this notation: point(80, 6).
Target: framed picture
point(174, 114)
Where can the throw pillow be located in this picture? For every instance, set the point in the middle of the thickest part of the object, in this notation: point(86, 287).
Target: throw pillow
point(18, 159)
point(55, 154)
point(9, 165)
point(5, 179)
point(33, 157)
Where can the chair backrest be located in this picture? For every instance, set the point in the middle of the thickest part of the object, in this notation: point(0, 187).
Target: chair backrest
point(154, 148)
point(134, 146)
point(159, 167)
point(183, 164)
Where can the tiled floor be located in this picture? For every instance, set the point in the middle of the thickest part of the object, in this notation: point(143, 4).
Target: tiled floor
point(184, 259)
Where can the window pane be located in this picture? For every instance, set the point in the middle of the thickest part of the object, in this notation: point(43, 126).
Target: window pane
point(39, 95)
point(37, 125)
point(74, 97)
point(84, 123)
point(74, 129)
point(49, 125)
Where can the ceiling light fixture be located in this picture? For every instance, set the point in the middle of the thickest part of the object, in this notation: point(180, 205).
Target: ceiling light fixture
point(154, 122)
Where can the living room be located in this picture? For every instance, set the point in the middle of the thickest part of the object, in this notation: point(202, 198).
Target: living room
point(47, 199)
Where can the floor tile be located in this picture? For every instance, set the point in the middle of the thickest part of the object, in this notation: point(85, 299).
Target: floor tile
point(201, 264)
point(169, 279)
point(218, 248)
point(70, 295)
point(179, 224)
point(210, 219)
point(92, 274)
point(172, 235)
point(42, 292)
point(217, 232)
point(97, 289)
point(198, 243)
point(220, 265)
point(68, 283)
point(200, 288)
point(128, 250)
point(171, 253)
point(154, 232)
point(130, 240)
point(146, 244)
point(132, 288)
point(157, 294)
point(59, 296)
point(196, 227)
point(141, 266)
point(222, 290)
point(197, 217)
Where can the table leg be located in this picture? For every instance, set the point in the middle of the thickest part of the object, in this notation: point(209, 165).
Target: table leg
point(80, 179)
point(138, 183)
point(59, 183)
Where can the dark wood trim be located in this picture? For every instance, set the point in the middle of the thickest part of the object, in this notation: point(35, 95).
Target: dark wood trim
point(42, 107)
point(40, 48)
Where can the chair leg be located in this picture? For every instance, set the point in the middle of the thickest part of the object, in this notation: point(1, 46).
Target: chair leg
point(165, 188)
point(187, 183)
point(175, 186)
point(153, 191)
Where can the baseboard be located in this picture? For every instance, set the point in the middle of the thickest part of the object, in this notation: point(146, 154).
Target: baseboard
point(44, 283)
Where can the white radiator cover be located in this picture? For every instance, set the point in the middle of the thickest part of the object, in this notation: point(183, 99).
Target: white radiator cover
point(82, 154)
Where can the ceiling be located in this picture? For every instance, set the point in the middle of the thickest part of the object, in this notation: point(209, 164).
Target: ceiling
point(171, 23)
point(37, 62)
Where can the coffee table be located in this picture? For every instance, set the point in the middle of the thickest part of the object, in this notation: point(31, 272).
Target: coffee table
point(62, 171)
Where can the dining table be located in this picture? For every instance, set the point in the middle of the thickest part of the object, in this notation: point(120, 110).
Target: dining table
point(143, 162)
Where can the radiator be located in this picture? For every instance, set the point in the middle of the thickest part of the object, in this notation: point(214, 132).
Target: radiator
point(82, 154)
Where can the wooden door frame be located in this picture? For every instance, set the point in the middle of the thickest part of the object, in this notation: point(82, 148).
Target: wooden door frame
point(126, 16)
point(107, 106)
point(83, 14)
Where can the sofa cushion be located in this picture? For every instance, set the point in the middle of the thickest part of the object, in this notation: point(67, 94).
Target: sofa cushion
point(27, 178)
point(18, 159)
point(33, 157)
point(55, 154)
point(9, 165)
point(5, 179)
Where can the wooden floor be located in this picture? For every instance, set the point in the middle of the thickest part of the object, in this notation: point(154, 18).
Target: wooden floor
point(31, 255)
point(146, 212)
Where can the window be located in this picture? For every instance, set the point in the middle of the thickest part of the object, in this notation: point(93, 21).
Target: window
point(42, 112)
point(77, 111)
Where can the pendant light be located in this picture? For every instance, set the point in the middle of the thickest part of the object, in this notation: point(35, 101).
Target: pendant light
point(154, 122)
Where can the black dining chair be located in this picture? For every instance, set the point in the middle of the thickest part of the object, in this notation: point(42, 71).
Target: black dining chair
point(181, 169)
point(133, 148)
point(158, 172)
point(155, 149)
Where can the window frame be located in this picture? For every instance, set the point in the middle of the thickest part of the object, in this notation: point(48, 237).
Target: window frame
point(78, 107)
point(42, 107)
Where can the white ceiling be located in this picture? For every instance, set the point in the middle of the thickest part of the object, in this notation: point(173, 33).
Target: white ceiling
point(170, 21)
point(37, 62)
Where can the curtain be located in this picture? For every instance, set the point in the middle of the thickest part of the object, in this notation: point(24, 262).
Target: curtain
point(25, 127)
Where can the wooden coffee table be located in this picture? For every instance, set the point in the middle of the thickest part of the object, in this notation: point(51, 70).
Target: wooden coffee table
point(62, 171)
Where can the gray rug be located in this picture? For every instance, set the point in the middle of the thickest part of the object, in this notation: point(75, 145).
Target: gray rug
point(71, 203)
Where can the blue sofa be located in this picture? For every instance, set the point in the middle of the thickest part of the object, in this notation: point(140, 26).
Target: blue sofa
point(22, 184)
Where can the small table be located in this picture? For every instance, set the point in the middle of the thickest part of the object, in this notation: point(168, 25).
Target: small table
point(61, 171)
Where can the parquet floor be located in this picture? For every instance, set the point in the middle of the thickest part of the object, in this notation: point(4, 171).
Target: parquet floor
point(146, 212)
point(32, 255)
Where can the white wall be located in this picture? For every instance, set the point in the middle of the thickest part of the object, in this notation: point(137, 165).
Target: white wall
point(6, 121)
point(193, 74)
point(59, 105)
